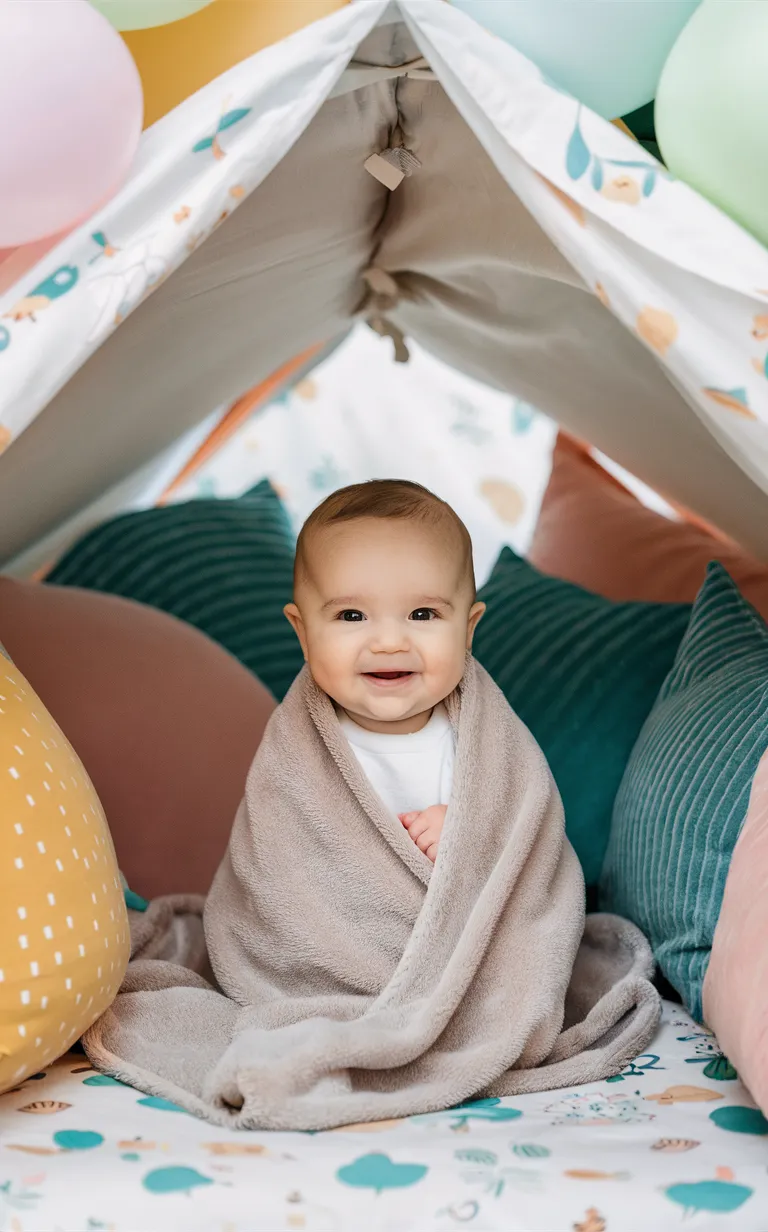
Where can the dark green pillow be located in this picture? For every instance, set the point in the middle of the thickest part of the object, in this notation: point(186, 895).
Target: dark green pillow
point(685, 794)
point(582, 672)
point(225, 566)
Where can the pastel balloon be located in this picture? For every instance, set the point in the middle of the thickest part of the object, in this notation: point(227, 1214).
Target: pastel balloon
point(607, 53)
point(75, 97)
point(711, 107)
point(141, 14)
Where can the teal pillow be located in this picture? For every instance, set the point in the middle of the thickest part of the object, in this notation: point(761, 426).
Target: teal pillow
point(582, 672)
point(225, 566)
point(684, 797)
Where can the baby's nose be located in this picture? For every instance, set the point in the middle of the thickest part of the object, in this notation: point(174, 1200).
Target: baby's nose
point(389, 637)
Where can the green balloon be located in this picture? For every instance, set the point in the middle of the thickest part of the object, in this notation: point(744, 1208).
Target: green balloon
point(711, 108)
point(141, 14)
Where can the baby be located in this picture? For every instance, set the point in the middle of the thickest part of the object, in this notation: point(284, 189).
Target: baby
point(385, 610)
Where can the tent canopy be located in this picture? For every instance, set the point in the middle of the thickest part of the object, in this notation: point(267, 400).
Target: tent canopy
point(529, 243)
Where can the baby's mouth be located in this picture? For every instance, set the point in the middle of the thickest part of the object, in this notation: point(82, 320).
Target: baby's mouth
point(388, 676)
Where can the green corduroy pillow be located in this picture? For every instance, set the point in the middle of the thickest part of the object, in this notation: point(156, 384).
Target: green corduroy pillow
point(225, 566)
point(582, 672)
point(685, 793)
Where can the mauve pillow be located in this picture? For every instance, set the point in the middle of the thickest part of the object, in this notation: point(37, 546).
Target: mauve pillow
point(736, 983)
point(592, 531)
point(164, 720)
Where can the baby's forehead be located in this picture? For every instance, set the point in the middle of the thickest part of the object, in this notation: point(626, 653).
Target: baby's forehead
point(368, 549)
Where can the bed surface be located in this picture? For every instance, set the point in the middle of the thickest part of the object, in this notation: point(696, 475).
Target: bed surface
point(674, 1143)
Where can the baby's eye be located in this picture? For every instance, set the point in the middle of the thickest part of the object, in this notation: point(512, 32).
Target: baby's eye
point(350, 615)
point(423, 613)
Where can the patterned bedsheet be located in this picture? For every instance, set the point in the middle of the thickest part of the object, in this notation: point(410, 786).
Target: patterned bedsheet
point(674, 1143)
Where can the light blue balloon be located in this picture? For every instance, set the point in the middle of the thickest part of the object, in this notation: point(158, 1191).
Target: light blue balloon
point(606, 53)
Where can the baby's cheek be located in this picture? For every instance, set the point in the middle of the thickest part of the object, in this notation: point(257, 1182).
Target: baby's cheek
point(332, 655)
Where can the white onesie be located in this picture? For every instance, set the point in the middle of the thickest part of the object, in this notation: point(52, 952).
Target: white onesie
point(409, 773)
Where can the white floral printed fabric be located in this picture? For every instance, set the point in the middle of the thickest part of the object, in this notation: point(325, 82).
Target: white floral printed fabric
point(673, 1142)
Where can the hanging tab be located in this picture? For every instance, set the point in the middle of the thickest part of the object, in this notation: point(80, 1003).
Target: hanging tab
point(385, 329)
point(381, 283)
point(391, 166)
point(391, 177)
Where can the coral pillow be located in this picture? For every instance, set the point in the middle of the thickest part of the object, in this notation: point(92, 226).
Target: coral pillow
point(593, 532)
point(164, 720)
point(736, 984)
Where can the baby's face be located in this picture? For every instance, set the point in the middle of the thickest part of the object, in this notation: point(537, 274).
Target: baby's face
point(385, 617)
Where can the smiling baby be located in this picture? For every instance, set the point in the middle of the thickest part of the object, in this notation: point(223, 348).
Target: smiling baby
point(385, 609)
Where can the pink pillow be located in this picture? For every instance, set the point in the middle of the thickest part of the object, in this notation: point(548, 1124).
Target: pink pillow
point(594, 532)
point(164, 720)
point(736, 984)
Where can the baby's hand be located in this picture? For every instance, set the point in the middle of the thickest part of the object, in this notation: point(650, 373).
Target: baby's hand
point(425, 828)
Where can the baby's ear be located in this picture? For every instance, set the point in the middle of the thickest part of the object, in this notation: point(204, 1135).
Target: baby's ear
point(293, 616)
point(476, 613)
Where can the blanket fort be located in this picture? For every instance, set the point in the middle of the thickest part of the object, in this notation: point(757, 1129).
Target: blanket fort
point(350, 979)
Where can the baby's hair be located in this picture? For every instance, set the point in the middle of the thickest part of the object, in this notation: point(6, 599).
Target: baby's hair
point(384, 498)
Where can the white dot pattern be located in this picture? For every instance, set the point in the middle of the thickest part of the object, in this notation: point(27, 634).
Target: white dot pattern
point(70, 906)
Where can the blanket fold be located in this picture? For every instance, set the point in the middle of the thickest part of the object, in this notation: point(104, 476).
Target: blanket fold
point(351, 980)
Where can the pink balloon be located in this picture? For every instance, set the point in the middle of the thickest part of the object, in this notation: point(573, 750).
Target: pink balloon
point(71, 99)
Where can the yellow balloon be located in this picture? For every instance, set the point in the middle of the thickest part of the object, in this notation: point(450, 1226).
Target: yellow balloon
point(177, 60)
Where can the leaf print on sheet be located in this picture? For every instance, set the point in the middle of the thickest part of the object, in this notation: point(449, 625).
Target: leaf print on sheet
point(78, 1139)
point(107, 249)
point(379, 1172)
point(733, 399)
point(490, 1109)
point(212, 143)
point(623, 180)
point(577, 154)
point(720, 1197)
point(5, 338)
point(175, 1179)
point(707, 1052)
point(163, 1105)
point(740, 1120)
point(495, 1180)
point(637, 1070)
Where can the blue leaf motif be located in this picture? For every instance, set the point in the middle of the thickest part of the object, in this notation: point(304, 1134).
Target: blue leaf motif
point(649, 183)
point(597, 174)
point(232, 117)
point(205, 144)
point(5, 338)
point(577, 157)
point(378, 1172)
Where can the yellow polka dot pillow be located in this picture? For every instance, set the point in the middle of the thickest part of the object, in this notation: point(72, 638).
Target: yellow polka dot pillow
point(64, 941)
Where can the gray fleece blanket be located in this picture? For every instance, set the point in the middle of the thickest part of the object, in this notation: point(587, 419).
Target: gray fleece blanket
point(336, 976)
